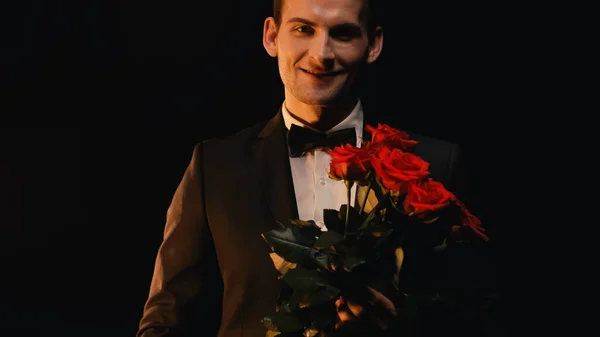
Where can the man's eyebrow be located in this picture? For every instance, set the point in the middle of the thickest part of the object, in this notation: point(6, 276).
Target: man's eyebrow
point(346, 25)
point(301, 20)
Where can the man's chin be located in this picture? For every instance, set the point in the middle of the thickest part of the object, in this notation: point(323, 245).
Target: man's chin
point(319, 103)
point(321, 100)
point(321, 97)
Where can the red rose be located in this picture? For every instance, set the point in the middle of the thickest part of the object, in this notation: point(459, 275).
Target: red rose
point(396, 168)
point(391, 137)
point(423, 198)
point(351, 163)
point(470, 221)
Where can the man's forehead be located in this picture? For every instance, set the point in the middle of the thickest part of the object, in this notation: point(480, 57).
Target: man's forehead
point(330, 11)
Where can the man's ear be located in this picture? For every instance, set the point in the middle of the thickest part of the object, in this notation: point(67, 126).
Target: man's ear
point(376, 45)
point(270, 36)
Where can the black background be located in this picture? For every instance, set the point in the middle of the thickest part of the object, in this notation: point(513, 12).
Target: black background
point(106, 100)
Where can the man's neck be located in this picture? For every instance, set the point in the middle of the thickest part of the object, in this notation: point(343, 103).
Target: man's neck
point(320, 117)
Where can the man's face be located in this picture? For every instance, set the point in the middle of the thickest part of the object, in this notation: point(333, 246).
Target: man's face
point(321, 46)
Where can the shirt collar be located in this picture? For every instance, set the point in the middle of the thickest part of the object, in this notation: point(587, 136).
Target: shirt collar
point(354, 120)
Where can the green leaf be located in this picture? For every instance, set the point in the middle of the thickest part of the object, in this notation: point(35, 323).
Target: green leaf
point(306, 279)
point(373, 219)
point(294, 302)
point(307, 229)
point(328, 239)
point(324, 319)
point(370, 220)
point(327, 260)
point(283, 322)
point(291, 245)
point(353, 212)
point(284, 294)
point(355, 219)
point(333, 221)
point(272, 333)
point(305, 299)
point(353, 261)
point(383, 238)
point(306, 232)
point(311, 287)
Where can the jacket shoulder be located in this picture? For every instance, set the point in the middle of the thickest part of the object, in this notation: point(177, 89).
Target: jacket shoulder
point(434, 142)
point(233, 141)
point(442, 155)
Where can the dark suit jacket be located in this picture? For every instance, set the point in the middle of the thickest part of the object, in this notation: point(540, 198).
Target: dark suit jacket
point(213, 270)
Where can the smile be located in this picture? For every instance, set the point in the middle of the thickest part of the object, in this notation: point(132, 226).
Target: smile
point(321, 74)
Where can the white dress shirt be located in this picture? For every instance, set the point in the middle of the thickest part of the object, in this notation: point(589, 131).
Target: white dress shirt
point(314, 190)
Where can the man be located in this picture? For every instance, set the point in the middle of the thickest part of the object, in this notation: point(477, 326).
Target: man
point(238, 187)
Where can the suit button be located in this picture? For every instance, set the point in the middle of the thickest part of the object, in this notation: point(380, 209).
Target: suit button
point(322, 181)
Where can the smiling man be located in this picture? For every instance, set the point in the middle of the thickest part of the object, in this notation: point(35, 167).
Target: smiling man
point(322, 47)
point(238, 187)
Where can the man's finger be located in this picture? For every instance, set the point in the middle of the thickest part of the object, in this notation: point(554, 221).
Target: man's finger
point(356, 309)
point(344, 311)
point(379, 300)
point(399, 255)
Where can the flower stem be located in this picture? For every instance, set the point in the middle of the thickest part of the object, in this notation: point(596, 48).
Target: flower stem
point(387, 196)
point(349, 198)
point(362, 207)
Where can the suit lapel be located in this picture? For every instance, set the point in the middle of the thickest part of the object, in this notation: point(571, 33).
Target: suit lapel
point(272, 168)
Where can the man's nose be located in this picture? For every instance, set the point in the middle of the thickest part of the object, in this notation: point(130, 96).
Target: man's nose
point(321, 51)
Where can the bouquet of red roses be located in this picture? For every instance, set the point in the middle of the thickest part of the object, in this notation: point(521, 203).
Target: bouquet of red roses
point(363, 243)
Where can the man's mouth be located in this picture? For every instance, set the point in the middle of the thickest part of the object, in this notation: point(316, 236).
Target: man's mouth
point(319, 74)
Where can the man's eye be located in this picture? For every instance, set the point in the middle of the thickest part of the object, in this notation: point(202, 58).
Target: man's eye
point(303, 29)
point(346, 33)
point(344, 38)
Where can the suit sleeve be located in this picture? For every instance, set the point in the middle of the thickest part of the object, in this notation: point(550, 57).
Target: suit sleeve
point(463, 180)
point(185, 273)
point(472, 266)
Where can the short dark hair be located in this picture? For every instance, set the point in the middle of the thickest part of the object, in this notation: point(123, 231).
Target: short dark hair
point(372, 14)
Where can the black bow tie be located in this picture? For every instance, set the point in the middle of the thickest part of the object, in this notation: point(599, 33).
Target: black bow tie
point(302, 140)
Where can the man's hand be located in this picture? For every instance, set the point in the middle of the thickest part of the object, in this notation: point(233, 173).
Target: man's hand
point(371, 312)
point(364, 311)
